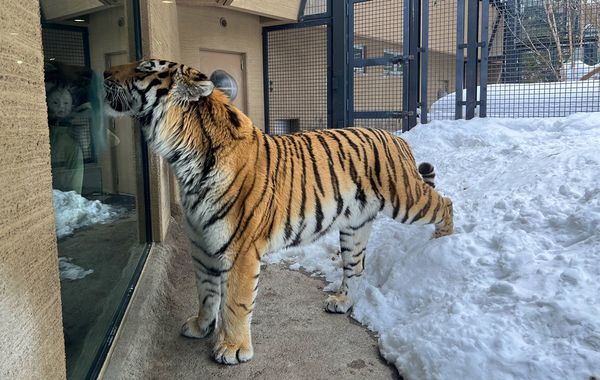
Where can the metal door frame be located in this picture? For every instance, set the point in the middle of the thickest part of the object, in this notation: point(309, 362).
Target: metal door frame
point(410, 60)
point(320, 19)
point(415, 61)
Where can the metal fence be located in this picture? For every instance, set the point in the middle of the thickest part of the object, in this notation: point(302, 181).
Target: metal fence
point(297, 84)
point(378, 66)
point(429, 60)
point(540, 51)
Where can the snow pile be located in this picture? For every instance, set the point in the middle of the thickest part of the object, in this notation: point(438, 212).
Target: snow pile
point(552, 99)
point(72, 211)
point(70, 271)
point(514, 293)
point(576, 70)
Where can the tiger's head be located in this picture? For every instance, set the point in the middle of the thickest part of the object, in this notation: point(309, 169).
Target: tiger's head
point(137, 88)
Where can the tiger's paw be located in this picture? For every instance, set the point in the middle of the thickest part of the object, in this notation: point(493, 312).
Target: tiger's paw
point(230, 354)
point(192, 328)
point(338, 303)
point(439, 232)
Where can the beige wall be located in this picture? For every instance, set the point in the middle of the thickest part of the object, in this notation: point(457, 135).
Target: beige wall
point(31, 334)
point(199, 28)
point(160, 36)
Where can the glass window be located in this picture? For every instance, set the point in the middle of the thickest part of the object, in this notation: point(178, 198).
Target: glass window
point(96, 173)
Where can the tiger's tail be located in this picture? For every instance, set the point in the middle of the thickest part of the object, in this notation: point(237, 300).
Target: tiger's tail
point(427, 171)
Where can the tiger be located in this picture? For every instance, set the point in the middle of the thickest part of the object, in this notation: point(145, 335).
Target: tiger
point(246, 193)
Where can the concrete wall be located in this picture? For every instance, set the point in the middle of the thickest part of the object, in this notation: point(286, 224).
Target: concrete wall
point(160, 36)
point(199, 28)
point(31, 335)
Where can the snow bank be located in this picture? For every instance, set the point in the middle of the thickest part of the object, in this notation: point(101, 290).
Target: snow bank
point(70, 271)
point(72, 211)
point(514, 293)
point(576, 70)
point(554, 99)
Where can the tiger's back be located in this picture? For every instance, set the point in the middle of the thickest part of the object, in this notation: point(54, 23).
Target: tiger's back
point(341, 178)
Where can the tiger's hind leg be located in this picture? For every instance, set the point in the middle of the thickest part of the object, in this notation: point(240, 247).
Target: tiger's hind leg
point(353, 243)
point(208, 282)
point(444, 220)
point(427, 206)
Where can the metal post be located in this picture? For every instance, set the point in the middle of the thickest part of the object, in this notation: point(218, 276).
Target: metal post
point(472, 41)
point(483, 68)
point(460, 58)
point(266, 86)
point(405, 64)
point(339, 63)
point(350, 64)
point(424, 59)
point(410, 93)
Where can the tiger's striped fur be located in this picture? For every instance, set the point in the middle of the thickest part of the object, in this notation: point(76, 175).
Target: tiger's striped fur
point(246, 193)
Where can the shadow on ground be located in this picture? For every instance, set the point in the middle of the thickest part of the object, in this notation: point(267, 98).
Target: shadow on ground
point(293, 337)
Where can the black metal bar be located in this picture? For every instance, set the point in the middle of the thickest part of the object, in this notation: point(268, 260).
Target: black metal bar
point(484, 51)
point(301, 10)
point(139, 54)
point(339, 64)
point(405, 67)
point(378, 61)
point(460, 58)
point(266, 86)
point(378, 115)
point(413, 64)
point(350, 62)
point(304, 24)
point(424, 53)
point(472, 52)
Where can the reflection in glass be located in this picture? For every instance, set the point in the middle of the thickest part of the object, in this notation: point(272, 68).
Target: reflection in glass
point(95, 175)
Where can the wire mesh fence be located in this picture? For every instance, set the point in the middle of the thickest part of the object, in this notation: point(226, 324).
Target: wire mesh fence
point(441, 70)
point(378, 26)
point(541, 59)
point(314, 7)
point(540, 54)
point(297, 79)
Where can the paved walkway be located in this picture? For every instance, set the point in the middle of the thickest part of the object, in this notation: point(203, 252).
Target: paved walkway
point(294, 338)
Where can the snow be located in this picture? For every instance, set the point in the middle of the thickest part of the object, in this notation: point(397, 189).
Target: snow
point(72, 211)
point(514, 293)
point(576, 70)
point(70, 271)
point(551, 99)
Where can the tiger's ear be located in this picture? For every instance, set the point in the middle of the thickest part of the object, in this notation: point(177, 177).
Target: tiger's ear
point(190, 85)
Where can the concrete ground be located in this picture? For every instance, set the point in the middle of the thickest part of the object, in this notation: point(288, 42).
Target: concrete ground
point(294, 338)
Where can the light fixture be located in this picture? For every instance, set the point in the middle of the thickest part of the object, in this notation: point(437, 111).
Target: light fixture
point(79, 20)
point(13, 33)
point(168, 1)
point(52, 59)
point(19, 62)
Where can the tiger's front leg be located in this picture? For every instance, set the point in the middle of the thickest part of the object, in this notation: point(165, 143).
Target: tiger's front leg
point(208, 273)
point(234, 341)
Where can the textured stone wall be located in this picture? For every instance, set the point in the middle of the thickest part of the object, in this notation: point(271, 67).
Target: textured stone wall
point(31, 334)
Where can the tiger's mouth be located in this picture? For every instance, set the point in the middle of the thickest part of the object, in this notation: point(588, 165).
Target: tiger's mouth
point(116, 97)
